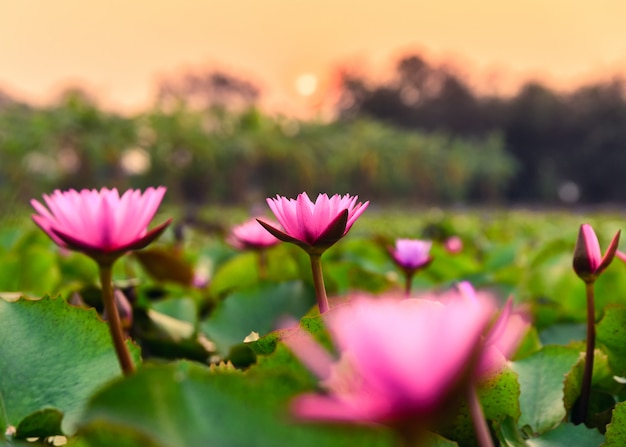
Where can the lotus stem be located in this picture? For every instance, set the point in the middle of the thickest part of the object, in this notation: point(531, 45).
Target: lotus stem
point(408, 282)
point(318, 282)
point(115, 324)
point(580, 414)
point(478, 418)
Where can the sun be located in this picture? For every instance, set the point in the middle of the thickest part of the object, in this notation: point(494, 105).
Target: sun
point(306, 84)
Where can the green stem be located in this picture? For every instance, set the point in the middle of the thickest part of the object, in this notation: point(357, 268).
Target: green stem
point(580, 415)
point(408, 281)
point(478, 419)
point(115, 324)
point(411, 433)
point(318, 281)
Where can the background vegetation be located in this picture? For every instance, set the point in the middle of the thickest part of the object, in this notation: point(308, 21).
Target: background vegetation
point(556, 138)
point(422, 137)
point(240, 157)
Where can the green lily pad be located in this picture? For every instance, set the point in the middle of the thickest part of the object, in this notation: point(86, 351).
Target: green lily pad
point(183, 404)
point(257, 309)
point(565, 434)
point(242, 270)
point(568, 435)
point(541, 377)
point(611, 332)
point(499, 396)
point(53, 357)
point(616, 430)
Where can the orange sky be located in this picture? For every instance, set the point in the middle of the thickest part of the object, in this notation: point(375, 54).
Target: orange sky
point(118, 48)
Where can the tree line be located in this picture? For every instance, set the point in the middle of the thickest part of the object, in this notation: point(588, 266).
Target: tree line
point(424, 137)
point(217, 155)
point(556, 138)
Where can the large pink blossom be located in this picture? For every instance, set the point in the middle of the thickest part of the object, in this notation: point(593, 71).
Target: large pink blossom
point(251, 235)
point(398, 358)
point(403, 358)
point(101, 223)
point(314, 226)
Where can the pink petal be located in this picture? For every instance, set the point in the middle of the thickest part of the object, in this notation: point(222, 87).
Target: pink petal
point(329, 408)
point(503, 339)
point(285, 212)
point(355, 214)
point(309, 352)
point(306, 218)
point(592, 246)
point(44, 224)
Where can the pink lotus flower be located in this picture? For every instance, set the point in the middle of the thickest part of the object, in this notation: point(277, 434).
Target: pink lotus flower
point(100, 224)
point(404, 358)
point(251, 235)
point(588, 260)
point(314, 226)
point(104, 226)
point(411, 254)
point(399, 358)
point(453, 244)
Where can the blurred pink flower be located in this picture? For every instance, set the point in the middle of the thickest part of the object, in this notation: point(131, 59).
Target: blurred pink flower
point(100, 223)
point(399, 358)
point(251, 235)
point(502, 340)
point(314, 226)
point(453, 244)
point(201, 278)
point(588, 260)
point(411, 254)
point(503, 336)
point(404, 358)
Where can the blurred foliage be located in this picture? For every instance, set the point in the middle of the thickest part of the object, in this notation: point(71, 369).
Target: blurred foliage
point(426, 135)
point(556, 138)
point(220, 155)
point(211, 348)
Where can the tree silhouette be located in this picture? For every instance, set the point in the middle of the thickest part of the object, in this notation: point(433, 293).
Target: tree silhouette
point(555, 137)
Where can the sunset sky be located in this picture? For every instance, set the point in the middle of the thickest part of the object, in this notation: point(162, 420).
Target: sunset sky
point(118, 49)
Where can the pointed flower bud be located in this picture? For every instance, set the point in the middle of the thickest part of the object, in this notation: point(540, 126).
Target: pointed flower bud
point(314, 226)
point(588, 260)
